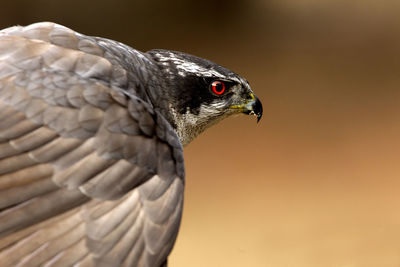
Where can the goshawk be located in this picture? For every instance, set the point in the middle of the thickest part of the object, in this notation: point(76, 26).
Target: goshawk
point(91, 137)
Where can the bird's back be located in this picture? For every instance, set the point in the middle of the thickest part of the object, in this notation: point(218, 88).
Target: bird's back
point(90, 173)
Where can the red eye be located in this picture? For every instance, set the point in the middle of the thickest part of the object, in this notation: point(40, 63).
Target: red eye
point(218, 87)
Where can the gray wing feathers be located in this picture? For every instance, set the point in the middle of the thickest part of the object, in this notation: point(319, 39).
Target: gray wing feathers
point(130, 228)
point(43, 236)
point(88, 175)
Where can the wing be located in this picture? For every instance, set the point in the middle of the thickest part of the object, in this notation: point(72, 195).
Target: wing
point(89, 176)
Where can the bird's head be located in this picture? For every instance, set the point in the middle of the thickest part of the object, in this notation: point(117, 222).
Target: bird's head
point(201, 92)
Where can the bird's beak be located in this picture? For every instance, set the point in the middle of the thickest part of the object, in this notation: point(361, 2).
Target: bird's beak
point(254, 107)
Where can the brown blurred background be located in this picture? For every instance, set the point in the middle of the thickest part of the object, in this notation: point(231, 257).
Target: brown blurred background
point(317, 182)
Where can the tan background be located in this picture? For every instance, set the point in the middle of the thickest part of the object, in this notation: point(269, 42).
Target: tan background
point(316, 183)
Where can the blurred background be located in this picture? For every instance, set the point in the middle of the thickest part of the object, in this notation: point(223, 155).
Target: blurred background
point(317, 181)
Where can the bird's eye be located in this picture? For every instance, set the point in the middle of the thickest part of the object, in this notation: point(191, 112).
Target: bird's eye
point(218, 87)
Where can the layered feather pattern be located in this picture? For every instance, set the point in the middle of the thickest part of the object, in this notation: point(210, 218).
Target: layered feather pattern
point(90, 173)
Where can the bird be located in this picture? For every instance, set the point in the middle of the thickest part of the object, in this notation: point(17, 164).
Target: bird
point(91, 145)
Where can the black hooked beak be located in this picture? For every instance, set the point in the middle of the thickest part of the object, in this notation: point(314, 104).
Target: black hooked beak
point(255, 108)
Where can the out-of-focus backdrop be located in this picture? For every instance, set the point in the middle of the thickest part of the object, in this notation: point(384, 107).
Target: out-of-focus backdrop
point(317, 182)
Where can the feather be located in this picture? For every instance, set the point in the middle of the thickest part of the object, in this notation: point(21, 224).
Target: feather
point(87, 170)
point(34, 139)
point(29, 245)
point(90, 47)
point(25, 176)
point(15, 163)
point(101, 226)
point(90, 118)
point(91, 66)
point(64, 37)
point(98, 95)
point(130, 239)
point(105, 232)
point(38, 209)
point(15, 238)
point(51, 248)
point(9, 116)
point(75, 155)
point(159, 235)
point(159, 210)
point(21, 128)
point(81, 171)
point(7, 150)
point(24, 192)
point(55, 149)
point(70, 255)
point(106, 185)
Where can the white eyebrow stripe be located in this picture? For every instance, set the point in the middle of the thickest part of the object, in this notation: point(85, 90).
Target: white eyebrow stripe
point(185, 66)
point(190, 67)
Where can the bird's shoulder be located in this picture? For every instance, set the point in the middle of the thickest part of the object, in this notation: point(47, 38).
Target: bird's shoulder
point(61, 48)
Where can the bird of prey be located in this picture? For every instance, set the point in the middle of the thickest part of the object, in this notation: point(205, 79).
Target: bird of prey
point(91, 139)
